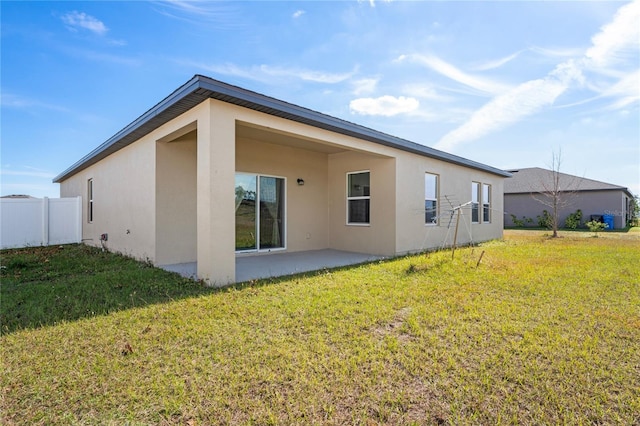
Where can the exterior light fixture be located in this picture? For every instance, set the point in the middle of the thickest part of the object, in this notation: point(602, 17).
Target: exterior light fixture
point(300, 181)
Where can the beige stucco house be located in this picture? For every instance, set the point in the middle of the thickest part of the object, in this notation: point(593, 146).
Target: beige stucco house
point(215, 171)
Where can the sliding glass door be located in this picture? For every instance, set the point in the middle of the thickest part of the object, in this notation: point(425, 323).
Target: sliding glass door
point(246, 195)
point(271, 212)
point(259, 212)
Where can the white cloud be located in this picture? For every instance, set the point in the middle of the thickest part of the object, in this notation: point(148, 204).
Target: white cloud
point(298, 13)
point(385, 105)
point(196, 8)
point(225, 69)
point(530, 97)
point(307, 75)
point(557, 52)
point(489, 65)
point(202, 9)
point(425, 91)
point(438, 65)
point(503, 110)
point(99, 56)
point(27, 180)
point(364, 86)
point(41, 190)
point(265, 73)
point(79, 20)
point(30, 173)
point(372, 3)
point(106, 57)
point(617, 38)
point(201, 12)
point(626, 90)
point(9, 100)
point(114, 42)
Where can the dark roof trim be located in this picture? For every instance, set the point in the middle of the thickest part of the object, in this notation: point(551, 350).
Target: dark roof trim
point(620, 188)
point(200, 88)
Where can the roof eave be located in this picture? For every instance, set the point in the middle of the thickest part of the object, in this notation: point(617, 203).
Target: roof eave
point(200, 88)
point(104, 149)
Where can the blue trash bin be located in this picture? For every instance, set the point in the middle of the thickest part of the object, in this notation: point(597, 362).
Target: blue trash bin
point(608, 219)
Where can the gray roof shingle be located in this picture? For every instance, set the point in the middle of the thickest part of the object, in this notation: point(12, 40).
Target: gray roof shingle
point(536, 179)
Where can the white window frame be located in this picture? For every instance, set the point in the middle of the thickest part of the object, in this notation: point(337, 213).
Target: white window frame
point(362, 197)
point(90, 200)
point(437, 194)
point(475, 200)
point(486, 202)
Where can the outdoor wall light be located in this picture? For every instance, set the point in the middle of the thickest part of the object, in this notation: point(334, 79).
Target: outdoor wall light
point(300, 181)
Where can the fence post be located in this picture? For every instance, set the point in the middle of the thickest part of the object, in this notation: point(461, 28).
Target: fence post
point(79, 218)
point(45, 221)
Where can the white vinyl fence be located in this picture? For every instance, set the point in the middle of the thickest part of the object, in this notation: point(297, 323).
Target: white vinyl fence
point(45, 221)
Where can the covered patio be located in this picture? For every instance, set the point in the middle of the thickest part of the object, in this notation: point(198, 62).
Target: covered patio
point(278, 197)
point(253, 267)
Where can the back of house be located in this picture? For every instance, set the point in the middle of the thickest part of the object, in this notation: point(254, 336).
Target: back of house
point(215, 171)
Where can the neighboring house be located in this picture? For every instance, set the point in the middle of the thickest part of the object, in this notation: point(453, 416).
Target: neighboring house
point(18, 197)
point(525, 188)
point(214, 171)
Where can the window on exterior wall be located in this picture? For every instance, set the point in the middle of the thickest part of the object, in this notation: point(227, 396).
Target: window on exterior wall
point(486, 203)
point(475, 200)
point(430, 199)
point(90, 200)
point(358, 198)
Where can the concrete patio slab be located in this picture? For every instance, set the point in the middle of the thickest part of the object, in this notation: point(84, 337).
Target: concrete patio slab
point(257, 266)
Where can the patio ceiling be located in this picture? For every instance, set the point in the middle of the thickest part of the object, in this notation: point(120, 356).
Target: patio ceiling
point(258, 133)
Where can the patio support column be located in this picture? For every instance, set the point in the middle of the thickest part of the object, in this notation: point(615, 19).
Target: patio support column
point(215, 205)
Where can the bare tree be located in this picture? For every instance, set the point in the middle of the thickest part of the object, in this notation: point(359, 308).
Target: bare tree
point(556, 191)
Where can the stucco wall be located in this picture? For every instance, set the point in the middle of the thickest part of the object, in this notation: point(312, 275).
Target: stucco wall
point(455, 185)
point(216, 164)
point(124, 188)
point(397, 191)
point(378, 237)
point(176, 216)
point(590, 202)
point(123, 200)
point(306, 205)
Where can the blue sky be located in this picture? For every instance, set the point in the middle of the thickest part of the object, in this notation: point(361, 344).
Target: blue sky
point(504, 83)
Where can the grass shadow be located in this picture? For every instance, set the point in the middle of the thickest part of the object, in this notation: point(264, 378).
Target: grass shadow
point(42, 286)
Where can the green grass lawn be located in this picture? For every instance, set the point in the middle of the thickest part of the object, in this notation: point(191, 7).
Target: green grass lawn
point(541, 331)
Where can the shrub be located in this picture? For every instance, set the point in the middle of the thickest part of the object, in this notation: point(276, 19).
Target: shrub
point(521, 223)
point(573, 220)
point(596, 226)
point(545, 220)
